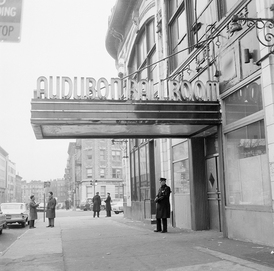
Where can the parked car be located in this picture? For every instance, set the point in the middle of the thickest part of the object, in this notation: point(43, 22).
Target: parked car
point(117, 207)
point(2, 222)
point(40, 208)
point(16, 212)
point(85, 206)
point(60, 205)
point(103, 204)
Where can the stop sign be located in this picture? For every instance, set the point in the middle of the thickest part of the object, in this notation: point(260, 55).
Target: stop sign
point(10, 20)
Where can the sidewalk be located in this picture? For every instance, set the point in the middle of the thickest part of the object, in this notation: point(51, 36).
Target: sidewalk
point(85, 243)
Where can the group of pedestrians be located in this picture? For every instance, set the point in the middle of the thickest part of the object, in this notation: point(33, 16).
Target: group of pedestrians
point(50, 211)
point(161, 200)
point(97, 205)
point(51, 204)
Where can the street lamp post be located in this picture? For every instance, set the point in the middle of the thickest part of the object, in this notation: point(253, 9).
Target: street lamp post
point(95, 184)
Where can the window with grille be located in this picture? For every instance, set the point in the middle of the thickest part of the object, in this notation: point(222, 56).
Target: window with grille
point(116, 173)
point(116, 155)
point(89, 172)
point(102, 173)
point(102, 155)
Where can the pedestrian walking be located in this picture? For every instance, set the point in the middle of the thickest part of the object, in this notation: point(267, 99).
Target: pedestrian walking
point(67, 204)
point(96, 204)
point(32, 211)
point(163, 206)
point(108, 205)
point(50, 213)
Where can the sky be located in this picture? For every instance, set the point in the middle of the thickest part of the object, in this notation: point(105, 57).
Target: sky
point(58, 38)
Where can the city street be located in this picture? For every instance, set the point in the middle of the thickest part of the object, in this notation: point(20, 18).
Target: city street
point(80, 242)
point(10, 235)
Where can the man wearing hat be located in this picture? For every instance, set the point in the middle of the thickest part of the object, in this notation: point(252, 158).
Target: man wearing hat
point(162, 206)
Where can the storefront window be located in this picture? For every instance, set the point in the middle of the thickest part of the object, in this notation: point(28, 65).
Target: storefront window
point(137, 176)
point(247, 175)
point(133, 182)
point(140, 175)
point(244, 102)
point(181, 177)
point(181, 168)
point(180, 151)
point(145, 194)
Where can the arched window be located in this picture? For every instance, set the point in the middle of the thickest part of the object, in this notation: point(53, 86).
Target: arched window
point(144, 55)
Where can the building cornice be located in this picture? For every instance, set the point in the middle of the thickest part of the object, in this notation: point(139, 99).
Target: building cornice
point(121, 14)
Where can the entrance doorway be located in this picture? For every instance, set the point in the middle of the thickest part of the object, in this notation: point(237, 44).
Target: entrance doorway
point(213, 183)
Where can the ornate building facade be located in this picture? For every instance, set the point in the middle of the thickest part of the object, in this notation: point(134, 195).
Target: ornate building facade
point(221, 176)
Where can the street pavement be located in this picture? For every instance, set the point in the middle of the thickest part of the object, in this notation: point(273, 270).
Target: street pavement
point(81, 242)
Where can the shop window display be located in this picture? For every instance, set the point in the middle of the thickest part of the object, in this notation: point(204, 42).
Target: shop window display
point(247, 181)
point(181, 168)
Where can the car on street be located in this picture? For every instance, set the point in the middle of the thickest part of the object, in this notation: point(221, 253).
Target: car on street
point(85, 206)
point(2, 222)
point(40, 208)
point(117, 207)
point(103, 204)
point(16, 212)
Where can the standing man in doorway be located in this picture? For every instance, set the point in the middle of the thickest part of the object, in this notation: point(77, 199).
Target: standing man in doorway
point(163, 206)
point(50, 213)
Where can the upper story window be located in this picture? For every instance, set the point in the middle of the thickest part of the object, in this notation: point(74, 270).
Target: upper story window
point(89, 172)
point(102, 173)
point(116, 173)
point(180, 17)
point(144, 54)
point(225, 6)
point(102, 155)
point(116, 155)
point(89, 154)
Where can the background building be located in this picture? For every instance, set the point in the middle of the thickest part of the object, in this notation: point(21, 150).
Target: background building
point(11, 181)
point(95, 165)
point(3, 174)
point(18, 188)
point(59, 188)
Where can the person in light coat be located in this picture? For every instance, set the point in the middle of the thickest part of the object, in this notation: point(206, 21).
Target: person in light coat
point(50, 213)
point(32, 211)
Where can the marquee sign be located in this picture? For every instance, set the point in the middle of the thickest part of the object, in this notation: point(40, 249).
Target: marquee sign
point(85, 108)
point(118, 89)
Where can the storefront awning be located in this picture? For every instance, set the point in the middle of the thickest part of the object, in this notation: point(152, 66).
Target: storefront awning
point(121, 119)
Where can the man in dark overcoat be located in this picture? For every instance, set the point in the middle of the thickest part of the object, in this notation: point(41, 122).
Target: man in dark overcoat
point(96, 204)
point(162, 206)
point(32, 211)
point(50, 213)
point(108, 205)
